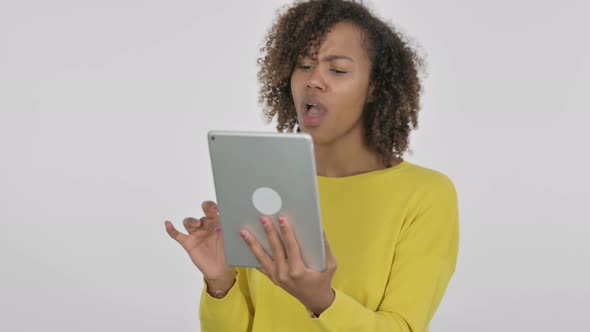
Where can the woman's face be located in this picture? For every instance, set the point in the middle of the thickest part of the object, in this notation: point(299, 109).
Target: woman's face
point(330, 92)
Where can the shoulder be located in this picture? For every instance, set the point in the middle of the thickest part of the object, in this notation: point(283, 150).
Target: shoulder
point(433, 201)
point(427, 179)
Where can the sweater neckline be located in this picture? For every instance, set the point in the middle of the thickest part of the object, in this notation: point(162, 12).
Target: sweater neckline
point(367, 175)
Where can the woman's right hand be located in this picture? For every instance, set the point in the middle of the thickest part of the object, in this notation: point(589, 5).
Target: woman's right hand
point(204, 244)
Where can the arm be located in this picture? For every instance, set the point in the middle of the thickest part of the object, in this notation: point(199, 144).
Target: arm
point(233, 312)
point(425, 259)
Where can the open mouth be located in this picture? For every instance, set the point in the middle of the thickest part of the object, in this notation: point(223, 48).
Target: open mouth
point(313, 114)
point(313, 109)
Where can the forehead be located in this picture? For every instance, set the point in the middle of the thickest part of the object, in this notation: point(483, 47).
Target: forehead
point(344, 38)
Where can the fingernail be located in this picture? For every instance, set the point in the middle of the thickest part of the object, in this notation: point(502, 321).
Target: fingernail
point(243, 234)
point(218, 230)
point(281, 220)
point(263, 220)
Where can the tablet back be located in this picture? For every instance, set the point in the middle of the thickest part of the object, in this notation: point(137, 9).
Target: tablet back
point(266, 174)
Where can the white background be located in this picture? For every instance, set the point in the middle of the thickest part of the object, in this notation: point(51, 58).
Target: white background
point(104, 107)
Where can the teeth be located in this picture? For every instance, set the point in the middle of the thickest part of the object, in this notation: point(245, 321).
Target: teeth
point(313, 109)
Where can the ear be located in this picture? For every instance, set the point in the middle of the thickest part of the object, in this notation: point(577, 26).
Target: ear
point(370, 94)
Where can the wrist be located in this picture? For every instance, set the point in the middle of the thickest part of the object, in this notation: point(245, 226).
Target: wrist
point(321, 303)
point(219, 287)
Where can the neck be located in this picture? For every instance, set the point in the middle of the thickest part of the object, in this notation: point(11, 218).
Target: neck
point(347, 156)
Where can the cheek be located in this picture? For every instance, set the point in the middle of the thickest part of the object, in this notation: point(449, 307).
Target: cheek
point(297, 80)
point(295, 90)
point(352, 98)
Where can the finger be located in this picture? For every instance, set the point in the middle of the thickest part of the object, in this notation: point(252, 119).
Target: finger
point(276, 247)
point(176, 235)
point(257, 249)
point(263, 271)
point(291, 244)
point(210, 209)
point(330, 259)
point(209, 224)
point(191, 224)
point(219, 243)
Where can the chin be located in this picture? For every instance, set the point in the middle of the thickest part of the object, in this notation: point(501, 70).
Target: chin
point(318, 137)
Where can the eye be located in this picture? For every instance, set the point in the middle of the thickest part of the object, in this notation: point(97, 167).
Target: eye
point(305, 67)
point(338, 71)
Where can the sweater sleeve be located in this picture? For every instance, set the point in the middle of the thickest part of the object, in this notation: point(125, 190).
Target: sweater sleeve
point(424, 261)
point(233, 312)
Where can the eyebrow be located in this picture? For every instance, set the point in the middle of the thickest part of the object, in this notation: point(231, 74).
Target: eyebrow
point(330, 58)
point(337, 57)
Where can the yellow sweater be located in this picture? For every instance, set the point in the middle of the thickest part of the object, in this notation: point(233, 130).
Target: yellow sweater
point(394, 233)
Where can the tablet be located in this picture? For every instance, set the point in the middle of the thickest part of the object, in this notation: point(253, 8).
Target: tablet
point(257, 173)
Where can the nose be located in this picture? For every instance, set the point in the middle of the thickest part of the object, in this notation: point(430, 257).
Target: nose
point(315, 80)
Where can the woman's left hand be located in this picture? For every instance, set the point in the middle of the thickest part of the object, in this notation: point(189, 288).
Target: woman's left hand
point(286, 268)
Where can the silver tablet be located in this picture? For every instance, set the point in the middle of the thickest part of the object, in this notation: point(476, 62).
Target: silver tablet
point(266, 174)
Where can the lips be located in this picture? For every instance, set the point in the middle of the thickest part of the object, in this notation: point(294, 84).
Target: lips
point(313, 111)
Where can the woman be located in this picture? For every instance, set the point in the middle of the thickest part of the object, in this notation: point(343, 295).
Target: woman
point(349, 80)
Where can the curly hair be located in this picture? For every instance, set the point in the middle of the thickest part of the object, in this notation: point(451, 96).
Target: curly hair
point(392, 112)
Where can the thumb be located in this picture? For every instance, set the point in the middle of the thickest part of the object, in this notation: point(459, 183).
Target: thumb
point(175, 234)
point(219, 237)
point(330, 259)
point(219, 243)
